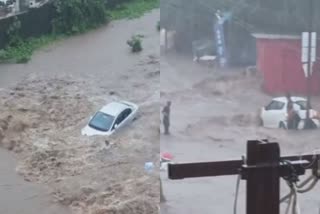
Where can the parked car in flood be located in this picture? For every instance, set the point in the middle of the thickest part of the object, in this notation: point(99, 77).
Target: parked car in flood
point(274, 115)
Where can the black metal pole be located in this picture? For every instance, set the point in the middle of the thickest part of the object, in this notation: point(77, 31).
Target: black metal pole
point(165, 40)
point(263, 185)
point(308, 123)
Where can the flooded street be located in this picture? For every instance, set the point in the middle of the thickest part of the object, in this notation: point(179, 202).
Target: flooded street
point(212, 120)
point(47, 165)
point(46, 102)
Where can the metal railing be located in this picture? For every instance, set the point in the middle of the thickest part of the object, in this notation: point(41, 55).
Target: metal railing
point(262, 169)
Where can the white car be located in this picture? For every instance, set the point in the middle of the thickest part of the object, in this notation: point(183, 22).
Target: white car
point(111, 118)
point(274, 115)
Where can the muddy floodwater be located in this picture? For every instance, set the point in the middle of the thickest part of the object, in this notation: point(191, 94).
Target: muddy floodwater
point(213, 114)
point(19, 196)
point(44, 105)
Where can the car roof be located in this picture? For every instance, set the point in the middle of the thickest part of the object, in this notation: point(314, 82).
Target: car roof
point(284, 99)
point(114, 108)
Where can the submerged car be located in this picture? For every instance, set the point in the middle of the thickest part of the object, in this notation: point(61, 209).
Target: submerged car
point(111, 118)
point(274, 115)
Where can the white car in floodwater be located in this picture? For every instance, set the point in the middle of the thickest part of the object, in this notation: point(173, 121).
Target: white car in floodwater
point(111, 118)
point(274, 115)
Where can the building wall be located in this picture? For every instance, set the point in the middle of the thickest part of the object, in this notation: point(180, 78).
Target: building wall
point(279, 60)
point(166, 39)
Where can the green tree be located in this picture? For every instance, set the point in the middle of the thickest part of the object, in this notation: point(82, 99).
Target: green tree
point(74, 16)
point(280, 16)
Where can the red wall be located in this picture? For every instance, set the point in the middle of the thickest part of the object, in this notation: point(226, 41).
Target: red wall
point(279, 60)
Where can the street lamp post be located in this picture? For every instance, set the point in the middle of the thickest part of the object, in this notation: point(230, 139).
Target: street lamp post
point(309, 123)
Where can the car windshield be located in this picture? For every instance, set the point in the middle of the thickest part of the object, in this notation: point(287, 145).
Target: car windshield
point(101, 121)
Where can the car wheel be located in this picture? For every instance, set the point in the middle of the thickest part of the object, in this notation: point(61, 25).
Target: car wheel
point(282, 125)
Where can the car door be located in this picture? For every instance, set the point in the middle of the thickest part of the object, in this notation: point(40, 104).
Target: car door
point(301, 108)
point(123, 117)
point(279, 114)
point(126, 114)
point(266, 114)
point(118, 122)
point(274, 113)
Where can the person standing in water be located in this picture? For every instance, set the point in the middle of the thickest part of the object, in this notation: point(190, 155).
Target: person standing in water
point(292, 112)
point(162, 198)
point(166, 118)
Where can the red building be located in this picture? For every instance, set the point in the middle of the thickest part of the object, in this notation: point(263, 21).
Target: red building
point(279, 60)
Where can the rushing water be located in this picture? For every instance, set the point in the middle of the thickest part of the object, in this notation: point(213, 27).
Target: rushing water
point(102, 57)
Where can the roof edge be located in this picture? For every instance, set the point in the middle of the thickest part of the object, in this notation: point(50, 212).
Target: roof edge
point(275, 36)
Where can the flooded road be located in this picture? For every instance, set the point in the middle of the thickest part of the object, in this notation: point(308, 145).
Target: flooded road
point(212, 120)
point(50, 99)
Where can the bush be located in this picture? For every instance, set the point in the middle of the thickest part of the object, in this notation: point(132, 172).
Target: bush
point(132, 8)
point(23, 59)
point(135, 43)
point(3, 55)
point(23, 52)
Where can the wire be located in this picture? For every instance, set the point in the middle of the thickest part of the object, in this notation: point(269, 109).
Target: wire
point(310, 187)
point(289, 204)
point(296, 207)
point(302, 184)
point(293, 204)
point(236, 195)
point(315, 155)
point(292, 180)
point(238, 187)
point(295, 189)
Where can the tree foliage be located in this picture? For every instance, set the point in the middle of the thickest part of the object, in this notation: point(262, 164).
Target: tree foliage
point(13, 32)
point(74, 16)
point(281, 16)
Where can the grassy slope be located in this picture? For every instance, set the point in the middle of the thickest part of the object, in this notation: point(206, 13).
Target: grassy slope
point(23, 53)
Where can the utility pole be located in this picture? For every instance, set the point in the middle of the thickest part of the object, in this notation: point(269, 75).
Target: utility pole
point(308, 123)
